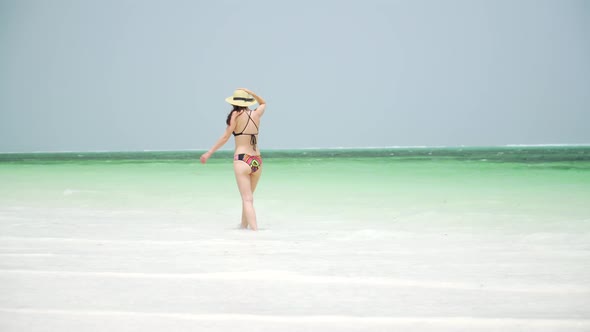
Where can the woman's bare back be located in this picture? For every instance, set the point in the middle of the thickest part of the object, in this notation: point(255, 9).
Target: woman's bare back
point(246, 132)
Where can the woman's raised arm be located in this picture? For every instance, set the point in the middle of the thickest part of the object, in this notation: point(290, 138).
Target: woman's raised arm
point(261, 102)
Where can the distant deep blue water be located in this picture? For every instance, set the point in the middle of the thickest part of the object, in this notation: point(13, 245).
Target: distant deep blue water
point(524, 154)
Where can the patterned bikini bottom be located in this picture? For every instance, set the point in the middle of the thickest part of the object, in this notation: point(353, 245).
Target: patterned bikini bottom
point(253, 161)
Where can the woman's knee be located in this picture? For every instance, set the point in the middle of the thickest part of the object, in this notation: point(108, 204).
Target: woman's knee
point(248, 198)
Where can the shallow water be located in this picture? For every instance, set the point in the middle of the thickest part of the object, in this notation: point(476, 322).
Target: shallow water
point(423, 240)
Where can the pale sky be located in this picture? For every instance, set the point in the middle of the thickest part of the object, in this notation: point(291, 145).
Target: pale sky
point(152, 75)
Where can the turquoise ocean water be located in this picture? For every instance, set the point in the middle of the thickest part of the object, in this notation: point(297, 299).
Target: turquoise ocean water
point(511, 187)
point(412, 239)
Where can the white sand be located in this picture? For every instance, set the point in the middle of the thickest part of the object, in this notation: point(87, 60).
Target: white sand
point(165, 270)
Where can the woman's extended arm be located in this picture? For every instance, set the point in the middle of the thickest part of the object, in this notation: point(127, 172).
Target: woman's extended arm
point(222, 140)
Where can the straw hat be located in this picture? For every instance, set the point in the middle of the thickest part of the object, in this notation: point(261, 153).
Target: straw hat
point(241, 98)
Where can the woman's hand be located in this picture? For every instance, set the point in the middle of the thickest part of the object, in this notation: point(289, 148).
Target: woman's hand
point(205, 156)
point(259, 99)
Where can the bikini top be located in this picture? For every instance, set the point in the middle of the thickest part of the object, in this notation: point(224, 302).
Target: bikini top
point(252, 136)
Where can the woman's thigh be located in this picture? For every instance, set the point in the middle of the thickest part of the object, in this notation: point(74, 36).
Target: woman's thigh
point(242, 172)
point(255, 177)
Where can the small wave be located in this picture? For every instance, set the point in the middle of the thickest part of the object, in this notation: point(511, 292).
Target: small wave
point(68, 192)
point(545, 145)
point(287, 276)
point(506, 323)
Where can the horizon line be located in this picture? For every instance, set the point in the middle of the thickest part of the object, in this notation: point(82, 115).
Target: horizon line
point(328, 148)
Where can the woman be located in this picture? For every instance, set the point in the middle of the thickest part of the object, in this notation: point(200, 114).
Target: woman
point(244, 123)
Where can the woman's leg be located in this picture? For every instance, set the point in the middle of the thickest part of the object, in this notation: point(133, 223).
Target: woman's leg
point(242, 171)
point(254, 177)
point(244, 223)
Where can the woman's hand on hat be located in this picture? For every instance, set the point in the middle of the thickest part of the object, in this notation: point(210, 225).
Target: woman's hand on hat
point(259, 99)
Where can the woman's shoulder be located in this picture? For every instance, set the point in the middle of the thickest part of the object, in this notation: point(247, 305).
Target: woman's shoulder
point(258, 111)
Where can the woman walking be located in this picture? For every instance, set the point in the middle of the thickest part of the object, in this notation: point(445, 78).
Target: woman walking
point(243, 123)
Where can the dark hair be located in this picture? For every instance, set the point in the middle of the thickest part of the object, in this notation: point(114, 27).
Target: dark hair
point(236, 109)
